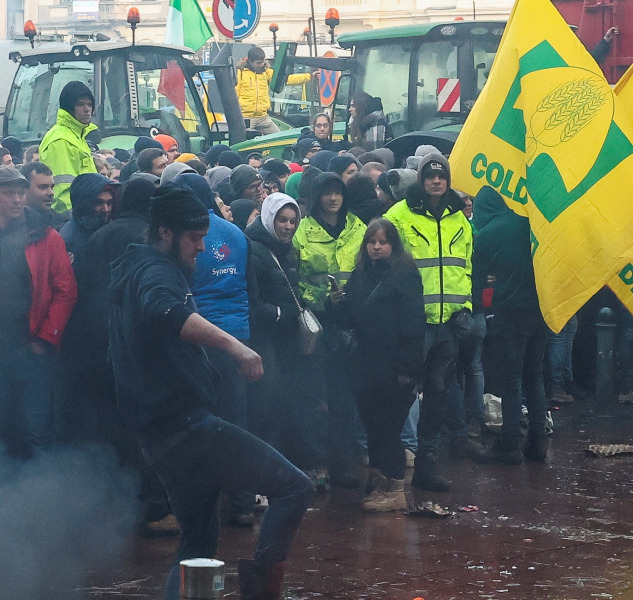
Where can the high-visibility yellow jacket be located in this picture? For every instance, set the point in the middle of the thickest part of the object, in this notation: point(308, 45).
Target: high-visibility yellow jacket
point(442, 250)
point(65, 151)
point(252, 89)
point(321, 255)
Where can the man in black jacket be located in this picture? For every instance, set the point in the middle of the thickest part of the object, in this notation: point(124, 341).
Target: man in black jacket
point(166, 388)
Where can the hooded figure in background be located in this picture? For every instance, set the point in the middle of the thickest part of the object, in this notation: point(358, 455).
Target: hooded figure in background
point(14, 146)
point(94, 199)
point(363, 200)
point(277, 415)
point(64, 148)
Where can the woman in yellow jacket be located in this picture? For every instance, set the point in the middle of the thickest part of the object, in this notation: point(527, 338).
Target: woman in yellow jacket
point(253, 81)
point(327, 241)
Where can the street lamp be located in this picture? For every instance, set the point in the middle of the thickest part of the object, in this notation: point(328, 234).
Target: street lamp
point(331, 20)
point(274, 28)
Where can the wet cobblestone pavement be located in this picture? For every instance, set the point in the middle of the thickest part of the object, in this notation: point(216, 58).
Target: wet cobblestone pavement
point(563, 531)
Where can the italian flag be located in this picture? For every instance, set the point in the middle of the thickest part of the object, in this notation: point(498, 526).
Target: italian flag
point(186, 25)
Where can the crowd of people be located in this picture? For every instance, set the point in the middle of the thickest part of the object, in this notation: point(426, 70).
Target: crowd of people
point(156, 296)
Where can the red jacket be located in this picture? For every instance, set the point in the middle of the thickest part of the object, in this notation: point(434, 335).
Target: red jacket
point(54, 289)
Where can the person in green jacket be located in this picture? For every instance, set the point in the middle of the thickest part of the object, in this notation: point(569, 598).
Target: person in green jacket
point(64, 148)
point(327, 242)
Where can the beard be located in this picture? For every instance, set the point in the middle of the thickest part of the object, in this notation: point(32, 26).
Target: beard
point(183, 266)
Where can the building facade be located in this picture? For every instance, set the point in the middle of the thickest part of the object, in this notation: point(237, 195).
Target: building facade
point(71, 17)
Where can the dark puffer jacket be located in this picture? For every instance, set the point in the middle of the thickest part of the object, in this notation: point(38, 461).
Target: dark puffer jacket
point(384, 306)
point(271, 289)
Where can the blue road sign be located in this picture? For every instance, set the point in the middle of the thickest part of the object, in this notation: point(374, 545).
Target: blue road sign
point(245, 18)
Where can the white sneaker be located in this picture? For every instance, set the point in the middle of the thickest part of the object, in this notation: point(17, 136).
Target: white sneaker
point(410, 458)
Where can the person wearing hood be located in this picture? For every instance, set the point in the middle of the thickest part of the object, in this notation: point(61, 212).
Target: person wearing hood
point(93, 199)
point(64, 148)
point(14, 146)
point(327, 241)
point(345, 165)
point(37, 296)
point(435, 231)
point(244, 212)
point(167, 390)
point(503, 250)
point(368, 126)
point(85, 398)
point(279, 414)
point(363, 200)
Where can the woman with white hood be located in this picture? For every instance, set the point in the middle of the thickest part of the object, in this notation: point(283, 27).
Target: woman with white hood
point(277, 412)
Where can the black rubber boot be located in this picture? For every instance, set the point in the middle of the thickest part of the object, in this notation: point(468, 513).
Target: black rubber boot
point(502, 452)
point(536, 446)
point(259, 581)
point(426, 474)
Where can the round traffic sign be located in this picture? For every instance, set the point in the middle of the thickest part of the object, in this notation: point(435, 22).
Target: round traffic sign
point(223, 16)
point(328, 82)
point(245, 18)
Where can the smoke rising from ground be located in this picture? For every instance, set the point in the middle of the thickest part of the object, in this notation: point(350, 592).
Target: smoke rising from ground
point(62, 515)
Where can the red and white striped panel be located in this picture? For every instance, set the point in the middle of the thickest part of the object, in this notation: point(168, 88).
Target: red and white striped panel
point(448, 95)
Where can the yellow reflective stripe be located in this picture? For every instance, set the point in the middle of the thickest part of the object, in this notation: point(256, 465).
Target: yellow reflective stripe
point(447, 298)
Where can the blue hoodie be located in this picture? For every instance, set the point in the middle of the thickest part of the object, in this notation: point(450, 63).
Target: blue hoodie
point(83, 197)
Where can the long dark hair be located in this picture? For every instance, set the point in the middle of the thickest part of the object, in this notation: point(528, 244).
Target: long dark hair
point(399, 256)
point(362, 102)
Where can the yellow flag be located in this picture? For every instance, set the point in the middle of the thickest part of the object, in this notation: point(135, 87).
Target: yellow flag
point(549, 134)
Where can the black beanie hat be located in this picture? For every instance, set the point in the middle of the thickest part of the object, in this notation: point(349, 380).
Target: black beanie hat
point(178, 208)
point(241, 177)
point(242, 209)
point(383, 184)
point(144, 142)
point(434, 167)
point(339, 164)
point(276, 166)
point(14, 146)
point(72, 91)
point(214, 152)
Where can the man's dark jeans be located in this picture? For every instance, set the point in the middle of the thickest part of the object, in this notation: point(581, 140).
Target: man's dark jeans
point(26, 399)
point(522, 339)
point(197, 463)
point(441, 406)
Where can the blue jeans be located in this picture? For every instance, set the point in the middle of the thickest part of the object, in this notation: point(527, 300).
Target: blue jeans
point(409, 435)
point(472, 370)
point(522, 338)
point(26, 399)
point(196, 464)
point(559, 348)
point(441, 406)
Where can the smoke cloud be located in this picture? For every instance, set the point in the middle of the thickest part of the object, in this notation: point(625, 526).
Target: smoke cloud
point(63, 514)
